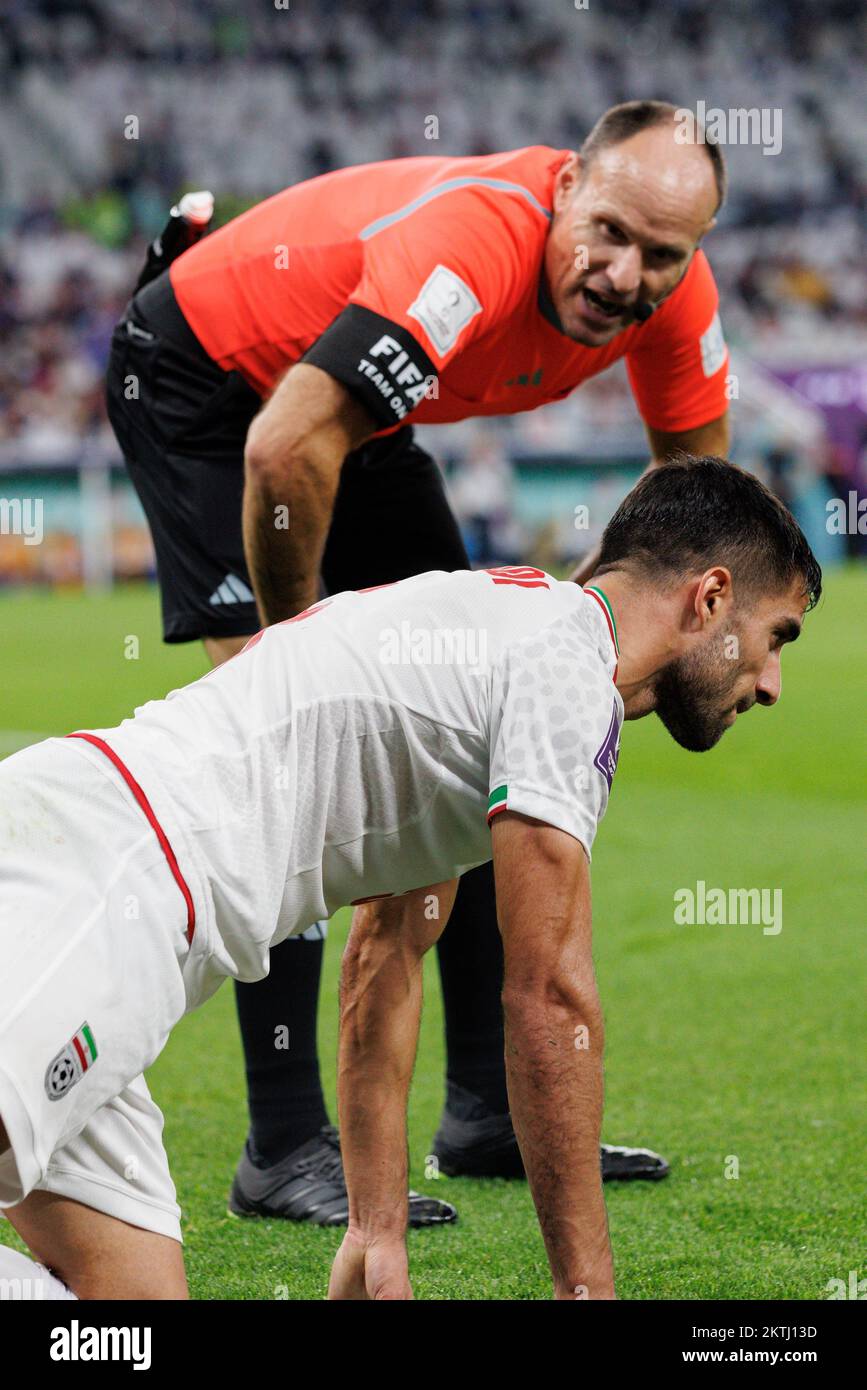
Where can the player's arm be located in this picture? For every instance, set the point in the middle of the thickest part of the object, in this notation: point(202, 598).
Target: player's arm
point(380, 1009)
point(294, 453)
point(712, 438)
point(554, 1040)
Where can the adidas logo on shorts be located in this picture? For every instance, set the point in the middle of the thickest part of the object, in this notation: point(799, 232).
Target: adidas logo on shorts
point(232, 590)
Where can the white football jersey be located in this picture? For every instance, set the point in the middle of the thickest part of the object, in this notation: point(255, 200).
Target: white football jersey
point(361, 748)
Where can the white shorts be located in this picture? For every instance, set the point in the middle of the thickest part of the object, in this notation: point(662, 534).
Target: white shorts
point(95, 970)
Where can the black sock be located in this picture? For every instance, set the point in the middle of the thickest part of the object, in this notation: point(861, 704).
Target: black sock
point(470, 954)
point(284, 1090)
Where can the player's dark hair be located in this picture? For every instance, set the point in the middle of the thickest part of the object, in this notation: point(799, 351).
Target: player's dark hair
point(621, 122)
point(692, 513)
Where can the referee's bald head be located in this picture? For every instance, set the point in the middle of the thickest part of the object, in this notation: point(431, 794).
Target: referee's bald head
point(630, 118)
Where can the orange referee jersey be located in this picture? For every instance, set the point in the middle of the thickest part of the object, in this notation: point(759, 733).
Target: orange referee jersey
point(418, 283)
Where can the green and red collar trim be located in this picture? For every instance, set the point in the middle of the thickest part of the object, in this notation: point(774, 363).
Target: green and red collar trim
point(605, 604)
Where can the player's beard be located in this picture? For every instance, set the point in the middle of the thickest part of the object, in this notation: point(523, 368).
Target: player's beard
point(694, 696)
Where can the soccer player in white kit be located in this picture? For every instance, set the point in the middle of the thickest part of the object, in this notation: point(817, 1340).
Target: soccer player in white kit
point(368, 751)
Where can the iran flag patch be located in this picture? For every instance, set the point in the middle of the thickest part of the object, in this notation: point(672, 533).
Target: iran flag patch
point(70, 1064)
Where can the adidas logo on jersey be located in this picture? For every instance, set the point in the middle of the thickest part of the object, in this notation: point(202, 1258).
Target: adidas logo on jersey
point(232, 590)
point(524, 379)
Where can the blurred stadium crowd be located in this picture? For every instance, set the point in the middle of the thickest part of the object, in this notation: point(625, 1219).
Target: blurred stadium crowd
point(246, 96)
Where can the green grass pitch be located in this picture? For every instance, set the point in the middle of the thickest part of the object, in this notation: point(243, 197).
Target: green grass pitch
point(722, 1042)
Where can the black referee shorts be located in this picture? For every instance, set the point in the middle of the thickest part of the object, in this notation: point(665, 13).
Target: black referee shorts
point(182, 422)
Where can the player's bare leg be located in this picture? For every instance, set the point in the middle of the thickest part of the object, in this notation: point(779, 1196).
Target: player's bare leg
point(98, 1256)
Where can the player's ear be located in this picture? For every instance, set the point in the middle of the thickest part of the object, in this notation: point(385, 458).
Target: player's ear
point(714, 592)
point(568, 177)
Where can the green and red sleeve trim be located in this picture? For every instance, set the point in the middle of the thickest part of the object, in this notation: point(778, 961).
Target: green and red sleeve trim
point(608, 613)
point(497, 801)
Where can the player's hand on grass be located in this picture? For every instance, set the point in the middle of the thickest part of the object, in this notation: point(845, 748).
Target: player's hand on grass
point(366, 1269)
point(601, 1288)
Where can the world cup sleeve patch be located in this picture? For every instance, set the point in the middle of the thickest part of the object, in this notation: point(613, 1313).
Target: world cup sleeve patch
point(70, 1064)
point(713, 347)
point(606, 758)
point(444, 307)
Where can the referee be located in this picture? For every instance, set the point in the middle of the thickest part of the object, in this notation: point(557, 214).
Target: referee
point(352, 305)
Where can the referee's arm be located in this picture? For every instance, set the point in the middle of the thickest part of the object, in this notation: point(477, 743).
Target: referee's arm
point(712, 438)
point(294, 453)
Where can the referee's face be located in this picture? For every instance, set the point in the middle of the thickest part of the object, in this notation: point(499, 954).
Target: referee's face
point(624, 230)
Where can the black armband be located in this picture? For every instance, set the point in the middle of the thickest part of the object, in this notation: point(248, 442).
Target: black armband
point(381, 363)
